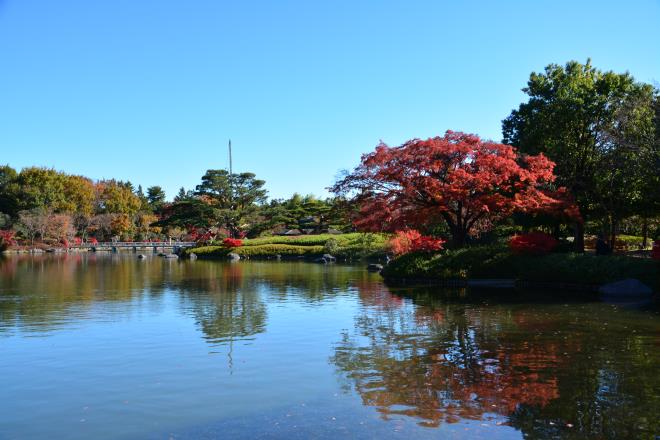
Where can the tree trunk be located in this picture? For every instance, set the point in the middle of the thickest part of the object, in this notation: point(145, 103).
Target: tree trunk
point(458, 236)
point(645, 232)
point(556, 230)
point(578, 243)
point(613, 230)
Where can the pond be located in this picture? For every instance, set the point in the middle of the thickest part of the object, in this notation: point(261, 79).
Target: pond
point(108, 346)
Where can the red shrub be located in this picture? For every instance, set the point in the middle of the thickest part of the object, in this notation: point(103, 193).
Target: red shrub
point(93, 241)
point(533, 243)
point(412, 241)
point(77, 241)
point(232, 242)
point(655, 253)
point(6, 239)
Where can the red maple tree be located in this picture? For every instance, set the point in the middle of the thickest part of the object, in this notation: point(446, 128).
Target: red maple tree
point(457, 178)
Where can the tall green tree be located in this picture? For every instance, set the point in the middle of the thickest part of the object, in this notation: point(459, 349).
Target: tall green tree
point(570, 116)
point(235, 198)
point(156, 197)
point(8, 191)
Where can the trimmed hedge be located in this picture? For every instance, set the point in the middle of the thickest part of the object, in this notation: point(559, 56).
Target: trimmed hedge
point(263, 251)
point(345, 246)
point(496, 262)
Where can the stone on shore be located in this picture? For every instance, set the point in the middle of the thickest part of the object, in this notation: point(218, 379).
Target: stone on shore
point(625, 288)
point(373, 267)
point(233, 256)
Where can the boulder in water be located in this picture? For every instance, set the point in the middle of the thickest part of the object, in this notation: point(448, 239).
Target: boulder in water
point(627, 288)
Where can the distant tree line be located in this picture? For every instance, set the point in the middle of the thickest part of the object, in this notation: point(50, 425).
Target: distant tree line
point(42, 205)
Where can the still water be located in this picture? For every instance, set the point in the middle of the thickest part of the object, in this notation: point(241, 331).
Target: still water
point(107, 346)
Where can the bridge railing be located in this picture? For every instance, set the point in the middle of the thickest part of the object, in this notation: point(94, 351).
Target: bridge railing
point(136, 244)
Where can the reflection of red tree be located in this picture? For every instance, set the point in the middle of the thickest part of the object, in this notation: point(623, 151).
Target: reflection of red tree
point(376, 295)
point(463, 372)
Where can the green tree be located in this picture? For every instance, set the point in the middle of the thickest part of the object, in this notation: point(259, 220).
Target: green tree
point(144, 202)
point(182, 195)
point(156, 198)
point(570, 113)
point(8, 191)
point(41, 188)
point(234, 198)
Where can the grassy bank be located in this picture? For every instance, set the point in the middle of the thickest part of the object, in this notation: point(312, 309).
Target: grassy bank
point(352, 246)
point(498, 262)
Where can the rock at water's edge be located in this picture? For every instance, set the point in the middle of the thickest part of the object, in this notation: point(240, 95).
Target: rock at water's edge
point(375, 267)
point(626, 288)
point(233, 256)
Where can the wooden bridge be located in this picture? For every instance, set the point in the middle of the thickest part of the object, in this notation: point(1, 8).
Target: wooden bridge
point(135, 245)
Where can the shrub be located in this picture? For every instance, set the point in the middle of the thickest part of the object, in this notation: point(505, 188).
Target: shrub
point(450, 264)
point(629, 242)
point(533, 243)
point(655, 253)
point(263, 251)
point(331, 246)
point(232, 242)
point(494, 262)
point(6, 239)
point(345, 246)
point(411, 240)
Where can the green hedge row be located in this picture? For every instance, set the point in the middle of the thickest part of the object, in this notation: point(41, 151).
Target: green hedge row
point(345, 246)
point(498, 262)
point(263, 251)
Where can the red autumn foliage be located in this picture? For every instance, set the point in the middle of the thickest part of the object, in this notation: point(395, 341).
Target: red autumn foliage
point(411, 240)
point(232, 242)
point(77, 241)
point(93, 241)
point(457, 178)
point(655, 253)
point(533, 243)
point(6, 239)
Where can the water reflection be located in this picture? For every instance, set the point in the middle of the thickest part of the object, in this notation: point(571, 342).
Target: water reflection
point(420, 357)
point(550, 370)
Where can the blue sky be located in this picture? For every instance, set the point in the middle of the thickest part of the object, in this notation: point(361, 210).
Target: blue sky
point(150, 91)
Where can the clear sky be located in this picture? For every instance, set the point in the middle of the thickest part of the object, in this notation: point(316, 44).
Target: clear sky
point(151, 90)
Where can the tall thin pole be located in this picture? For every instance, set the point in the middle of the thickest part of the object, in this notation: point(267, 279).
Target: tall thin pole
point(231, 170)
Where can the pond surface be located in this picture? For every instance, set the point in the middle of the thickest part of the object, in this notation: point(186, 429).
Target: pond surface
point(107, 346)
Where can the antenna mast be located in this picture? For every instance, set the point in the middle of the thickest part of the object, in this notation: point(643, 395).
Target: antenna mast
point(231, 170)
